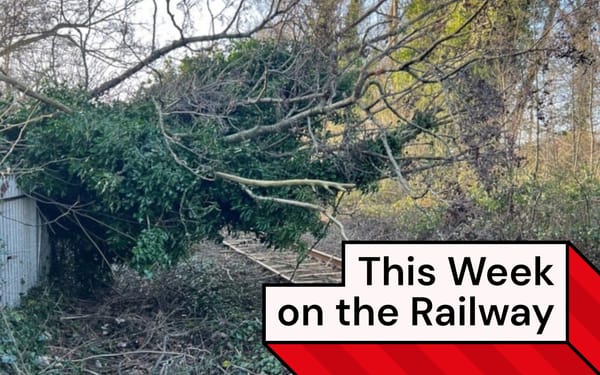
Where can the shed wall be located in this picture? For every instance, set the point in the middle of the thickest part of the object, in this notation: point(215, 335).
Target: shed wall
point(25, 249)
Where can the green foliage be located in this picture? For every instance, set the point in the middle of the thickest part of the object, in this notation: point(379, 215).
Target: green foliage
point(245, 337)
point(24, 334)
point(150, 252)
point(388, 213)
point(560, 207)
point(106, 177)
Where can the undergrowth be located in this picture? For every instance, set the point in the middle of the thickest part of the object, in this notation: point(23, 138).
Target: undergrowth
point(558, 207)
point(25, 332)
point(203, 317)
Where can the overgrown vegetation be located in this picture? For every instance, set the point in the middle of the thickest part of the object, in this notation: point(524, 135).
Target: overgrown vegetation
point(123, 182)
point(24, 333)
point(562, 205)
point(203, 317)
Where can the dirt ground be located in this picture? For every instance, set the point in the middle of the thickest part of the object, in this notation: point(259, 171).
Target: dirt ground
point(204, 317)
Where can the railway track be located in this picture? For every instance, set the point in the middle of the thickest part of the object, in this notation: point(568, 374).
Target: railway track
point(315, 267)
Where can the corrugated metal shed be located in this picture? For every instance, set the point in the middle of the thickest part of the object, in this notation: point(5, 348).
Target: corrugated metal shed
point(24, 247)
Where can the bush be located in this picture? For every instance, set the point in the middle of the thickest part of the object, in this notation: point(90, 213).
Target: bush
point(24, 333)
point(558, 207)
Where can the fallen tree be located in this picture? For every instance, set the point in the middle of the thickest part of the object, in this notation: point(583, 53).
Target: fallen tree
point(263, 129)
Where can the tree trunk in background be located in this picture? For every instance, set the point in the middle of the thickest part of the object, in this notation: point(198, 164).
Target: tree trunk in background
point(581, 24)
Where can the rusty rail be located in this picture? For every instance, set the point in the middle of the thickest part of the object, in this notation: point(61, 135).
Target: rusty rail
point(316, 267)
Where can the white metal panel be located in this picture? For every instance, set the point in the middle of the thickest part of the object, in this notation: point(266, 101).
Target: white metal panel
point(9, 188)
point(25, 251)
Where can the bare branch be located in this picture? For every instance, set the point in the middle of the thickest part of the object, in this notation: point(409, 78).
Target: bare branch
point(279, 183)
point(40, 36)
point(182, 42)
point(288, 122)
point(29, 92)
point(292, 202)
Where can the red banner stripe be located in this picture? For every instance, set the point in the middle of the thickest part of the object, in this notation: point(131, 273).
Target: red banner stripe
point(488, 359)
point(412, 358)
point(450, 358)
point(417, 359)
point(337, 359)
point(564, 359)
point(300, 358)
point(584, 308)
point(584, 342)
point(374, 358)
point(584, 274)
point(526, 359)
